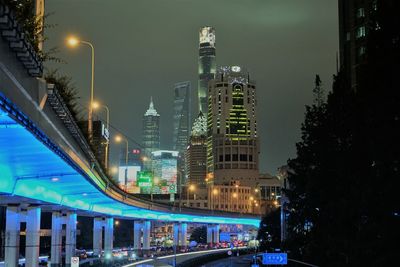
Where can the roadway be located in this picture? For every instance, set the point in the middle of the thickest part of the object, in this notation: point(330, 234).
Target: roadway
point(168, 260)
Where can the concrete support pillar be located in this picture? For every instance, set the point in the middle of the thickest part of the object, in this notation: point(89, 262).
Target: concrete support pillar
point(32, 237)
point(209, 234)
point(108, 236)
point(70, 237)
point(176, 234)
point(97, 235)
point(183, 235)
point(216, 234)
point(146, 235)
point(137, 232)
point(12, 237)
point(56, 239)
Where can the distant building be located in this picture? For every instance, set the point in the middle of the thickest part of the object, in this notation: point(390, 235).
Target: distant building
point(269, 191)
point(182, 116)
point(151, 133)
point(233, 143)
point(100, 141)
point(207, 64)
point(354, 24)
point(233, 198)
point(196, 153)
point(182, 124)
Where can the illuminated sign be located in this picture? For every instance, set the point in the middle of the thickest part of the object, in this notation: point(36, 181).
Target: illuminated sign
point(145, 179)
point(235, 68)
point(104, 132)
point(128, 175)
point(274, 258)
point(207, 35)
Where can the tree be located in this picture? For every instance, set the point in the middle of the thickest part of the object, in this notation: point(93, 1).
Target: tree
point(66, 89)
point(199, 235)
point(269, 232)
point(344, 205)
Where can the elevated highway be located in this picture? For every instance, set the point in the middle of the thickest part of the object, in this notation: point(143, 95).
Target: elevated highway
point(46, 164)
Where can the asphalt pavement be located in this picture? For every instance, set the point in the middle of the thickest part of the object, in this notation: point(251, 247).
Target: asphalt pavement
point(241, 261)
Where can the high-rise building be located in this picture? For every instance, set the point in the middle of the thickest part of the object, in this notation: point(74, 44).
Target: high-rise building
point(196, 153)
point(207, 65)
point(151, 133)
point(232, 140)
point(182, 116)
point(100, 140)
point(354, 24)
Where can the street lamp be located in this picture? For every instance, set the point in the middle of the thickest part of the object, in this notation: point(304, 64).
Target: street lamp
point(73, 42)
point(119, 139)
point(96, 105)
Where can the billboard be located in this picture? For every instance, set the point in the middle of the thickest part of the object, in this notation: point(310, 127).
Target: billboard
point(165, 171)
point(128, 174)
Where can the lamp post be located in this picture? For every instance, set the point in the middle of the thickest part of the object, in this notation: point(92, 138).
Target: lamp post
point(119, 139)
point(96, 105)
point(73, 42)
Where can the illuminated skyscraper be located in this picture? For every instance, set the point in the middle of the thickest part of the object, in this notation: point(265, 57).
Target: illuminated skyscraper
point(182, 117)
point(232, 145)
point(151, 133)
point(196, 154)
point(207, 65)
point(182, 121)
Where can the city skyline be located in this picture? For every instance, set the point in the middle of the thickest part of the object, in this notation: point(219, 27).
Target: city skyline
point(270, 58)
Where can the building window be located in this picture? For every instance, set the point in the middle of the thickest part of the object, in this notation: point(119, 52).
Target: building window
point(361, 51)
point(360, 12)
point(360, 32)
point(198, 205)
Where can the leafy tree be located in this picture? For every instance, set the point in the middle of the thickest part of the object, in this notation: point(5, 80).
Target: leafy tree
point(66, 89)
point(344, 205)
point(269, 232)
point(199, 235)
point(34, 27)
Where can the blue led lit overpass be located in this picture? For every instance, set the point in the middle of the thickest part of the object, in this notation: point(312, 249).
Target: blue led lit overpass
point(32, 170)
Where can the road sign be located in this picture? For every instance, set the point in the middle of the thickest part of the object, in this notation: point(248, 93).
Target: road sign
point(74, 261)
point(229, 252)
point(274, 258)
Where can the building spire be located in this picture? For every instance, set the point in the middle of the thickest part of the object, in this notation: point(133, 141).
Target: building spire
point(151, 106)
point(151, 111)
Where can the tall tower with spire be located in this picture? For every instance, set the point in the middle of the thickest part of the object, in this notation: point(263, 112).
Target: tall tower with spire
point(151, 130)
point(207, 65)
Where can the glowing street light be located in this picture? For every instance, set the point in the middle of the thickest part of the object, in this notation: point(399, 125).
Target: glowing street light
point(74, 42)
point(114, 170)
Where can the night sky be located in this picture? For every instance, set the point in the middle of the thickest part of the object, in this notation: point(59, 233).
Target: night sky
point(143, 47)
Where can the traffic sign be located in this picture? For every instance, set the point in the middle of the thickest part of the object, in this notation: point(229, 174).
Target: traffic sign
point(274, 258)
point(74, 261)
point(229, 252)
